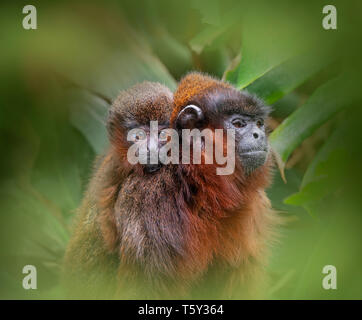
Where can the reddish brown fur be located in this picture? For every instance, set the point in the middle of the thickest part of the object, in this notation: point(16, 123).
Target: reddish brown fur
point(169, 233)
point(192, 85)
point(96, 240)
point(231, 216)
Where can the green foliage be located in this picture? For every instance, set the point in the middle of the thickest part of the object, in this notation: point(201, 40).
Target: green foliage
point(333, 96)
point(287, 76)
point(52, 127)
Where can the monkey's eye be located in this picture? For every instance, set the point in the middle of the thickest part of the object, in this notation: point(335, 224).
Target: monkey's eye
point(239, 123)
point(260, 123)
point(139, 135)
point(163, 135)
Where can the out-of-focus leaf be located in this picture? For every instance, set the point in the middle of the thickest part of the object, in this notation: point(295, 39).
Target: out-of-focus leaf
point(88, 114)
point(319, 242)
point(207, 36)
point(253, 65)
point(152, 29)
point(209, 9)
point(217, 34)
point(329, 191)
point(269, 44)
point(329, 168)
point(42, 233)
point(280, 190)
point(313, 192)
point(283, 280)
point(286, 105)
point(123, 69)
point(254, 61)
point(78, 49)
point(175, 55)
point(335, 143)
point(328, 177)
point(41, 236)
point(118, 71)
point(287, 76)
point(325, 102)
point(214, 61)
point(59, 171)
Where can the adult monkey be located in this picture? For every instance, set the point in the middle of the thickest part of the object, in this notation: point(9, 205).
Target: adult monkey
point(231, 222)
point(172, 230)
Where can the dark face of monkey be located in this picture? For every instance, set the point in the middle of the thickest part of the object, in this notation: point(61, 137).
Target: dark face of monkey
point(250, 138)
point(223, 107)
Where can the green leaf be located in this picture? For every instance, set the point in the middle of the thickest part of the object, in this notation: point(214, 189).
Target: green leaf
point(336, 142)
point(99, 63)
point(59, 170)
point(259, 54)
point(280, 190)
point(330, 167)
point(253, 65)
point(209, 9)
point(88, 111)
point(328, 179)
point(218, 35)
point(41, 233)
point(121, 69)
point(125, 68)
point(88, 114)
point(286, 105)
point(206, 37)
point(287, 76)
point(313, 192)
point(324, 103)
point(174, 54)
point(276, 43)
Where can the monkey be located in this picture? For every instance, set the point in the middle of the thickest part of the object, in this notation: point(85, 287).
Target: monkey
point(232, 220)
point(92, 258)
point(175, 230)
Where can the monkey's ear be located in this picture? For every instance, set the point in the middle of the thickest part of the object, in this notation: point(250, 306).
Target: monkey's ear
point(190, 117)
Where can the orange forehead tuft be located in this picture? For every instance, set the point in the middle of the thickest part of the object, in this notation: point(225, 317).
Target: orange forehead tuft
point(191, 85)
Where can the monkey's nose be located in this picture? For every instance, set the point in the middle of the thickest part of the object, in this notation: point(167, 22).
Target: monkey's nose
point(149, 168)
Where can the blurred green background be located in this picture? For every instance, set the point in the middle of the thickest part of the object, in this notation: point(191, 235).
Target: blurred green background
point(56, 83)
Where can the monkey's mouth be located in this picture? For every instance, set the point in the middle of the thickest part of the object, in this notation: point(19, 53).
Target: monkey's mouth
point(254, 153)
point(151, 168)
point(252, 160)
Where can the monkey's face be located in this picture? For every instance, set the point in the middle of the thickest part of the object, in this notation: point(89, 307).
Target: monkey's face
point(150, 139)
point(138, 144)
point(131, 121)
point(228, 108)
point(250, 138)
